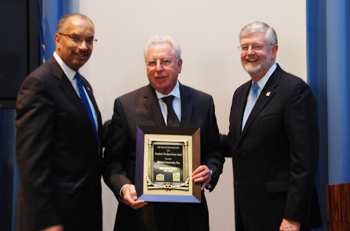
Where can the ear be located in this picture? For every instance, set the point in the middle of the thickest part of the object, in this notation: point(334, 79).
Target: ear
point(180, 65)
point(57, 38)
point(274, 50)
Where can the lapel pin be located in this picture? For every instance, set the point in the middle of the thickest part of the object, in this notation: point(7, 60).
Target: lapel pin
point(88, 88)
point(268, 93)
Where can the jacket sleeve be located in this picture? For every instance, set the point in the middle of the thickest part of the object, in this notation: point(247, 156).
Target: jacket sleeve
point(301, 125)
point(117, 151)
point(35, 124)
point(212, 151)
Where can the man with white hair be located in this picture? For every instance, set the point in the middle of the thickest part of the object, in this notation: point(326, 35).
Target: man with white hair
point(273, 141)
point(148, 106)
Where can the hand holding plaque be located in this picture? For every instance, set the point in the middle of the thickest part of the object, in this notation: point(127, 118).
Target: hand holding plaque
point(130, 197)
point(202, 175)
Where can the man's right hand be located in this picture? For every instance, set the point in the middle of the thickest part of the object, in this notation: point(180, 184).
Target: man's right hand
point(130, 197)
point(54, 228)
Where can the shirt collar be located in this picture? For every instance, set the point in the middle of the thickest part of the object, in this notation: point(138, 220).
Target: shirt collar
point(262, 82)
point(67, 70)
point(175, 92)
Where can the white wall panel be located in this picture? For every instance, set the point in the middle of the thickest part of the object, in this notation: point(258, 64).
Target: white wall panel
point(208, 33)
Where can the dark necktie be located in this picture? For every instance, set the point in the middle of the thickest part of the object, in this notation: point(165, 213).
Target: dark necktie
point(172, 119)
point(85, 102)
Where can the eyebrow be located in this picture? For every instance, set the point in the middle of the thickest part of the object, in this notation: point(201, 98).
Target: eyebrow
point(82, 36)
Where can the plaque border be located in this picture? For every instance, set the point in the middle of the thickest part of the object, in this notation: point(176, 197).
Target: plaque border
point(185, 171)
point(142, 155)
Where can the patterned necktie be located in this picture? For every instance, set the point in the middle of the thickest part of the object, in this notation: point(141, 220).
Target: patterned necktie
point(250, 103)
point(172, 119)
point(85, 102)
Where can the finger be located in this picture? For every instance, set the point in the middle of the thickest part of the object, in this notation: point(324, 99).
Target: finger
point(129, 194)
point(198, 170)
point(138, 204)
point(205, 179)
point(201, 171)
point(133, 193)
point(202, 176)
point(134, 204)
point(205, 183)
point(128, 200)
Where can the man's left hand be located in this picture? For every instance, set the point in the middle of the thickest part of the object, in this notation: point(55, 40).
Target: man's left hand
point(288, 225)
point(202, 175)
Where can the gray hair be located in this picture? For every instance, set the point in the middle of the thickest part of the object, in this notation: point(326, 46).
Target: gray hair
point(62, 23)
point(164, 39)
point(270, 33)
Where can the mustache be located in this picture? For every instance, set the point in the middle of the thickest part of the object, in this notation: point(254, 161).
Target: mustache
point(82, 52)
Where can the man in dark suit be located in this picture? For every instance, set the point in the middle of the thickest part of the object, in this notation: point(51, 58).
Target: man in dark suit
point(58, 138)
point(273, 140)
point(145, 106)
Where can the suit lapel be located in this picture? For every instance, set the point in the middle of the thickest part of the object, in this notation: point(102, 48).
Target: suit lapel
point(71, 94)
point(186, 106)
point(92, 98)
point(266, 95)
point(241, 103)
point(93, 101)
point(152, 105)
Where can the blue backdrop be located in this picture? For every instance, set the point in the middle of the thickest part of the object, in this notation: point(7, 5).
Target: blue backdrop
point(49, 13)
point(8, 171)
point(328, 50)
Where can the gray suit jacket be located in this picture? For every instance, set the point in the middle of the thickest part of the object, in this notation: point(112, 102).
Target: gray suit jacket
point(57, 154)
point(141, 107)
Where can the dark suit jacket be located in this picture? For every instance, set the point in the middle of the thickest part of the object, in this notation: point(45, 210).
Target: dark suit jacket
point(275, 157)
point(57, 154)
point(141, 107)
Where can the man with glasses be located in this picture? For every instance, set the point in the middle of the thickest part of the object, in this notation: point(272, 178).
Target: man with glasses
point(148, 106)
point(273, 141)
point(58, 138)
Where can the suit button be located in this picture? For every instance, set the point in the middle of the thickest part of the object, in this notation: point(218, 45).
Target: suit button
point(236, 184)
point(238, 161)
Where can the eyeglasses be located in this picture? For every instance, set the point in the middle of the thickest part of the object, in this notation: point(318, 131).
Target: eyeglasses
point(77, 39)
point(163, 62)
point(255, 47)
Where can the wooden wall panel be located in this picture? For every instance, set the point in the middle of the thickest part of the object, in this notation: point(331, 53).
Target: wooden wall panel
point(338, 207)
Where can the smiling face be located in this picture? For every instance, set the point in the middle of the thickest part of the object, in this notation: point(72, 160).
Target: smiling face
point(257, 62)
point(162, 75)
point(73, 54)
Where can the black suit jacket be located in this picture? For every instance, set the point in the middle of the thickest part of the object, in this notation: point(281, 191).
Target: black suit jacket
point(57, 154)
point(275, 157)
point(141, 107)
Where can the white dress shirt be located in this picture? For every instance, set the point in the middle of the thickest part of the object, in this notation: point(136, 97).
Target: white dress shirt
point(261, 83)
point(70, 74)
point(176, 102)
